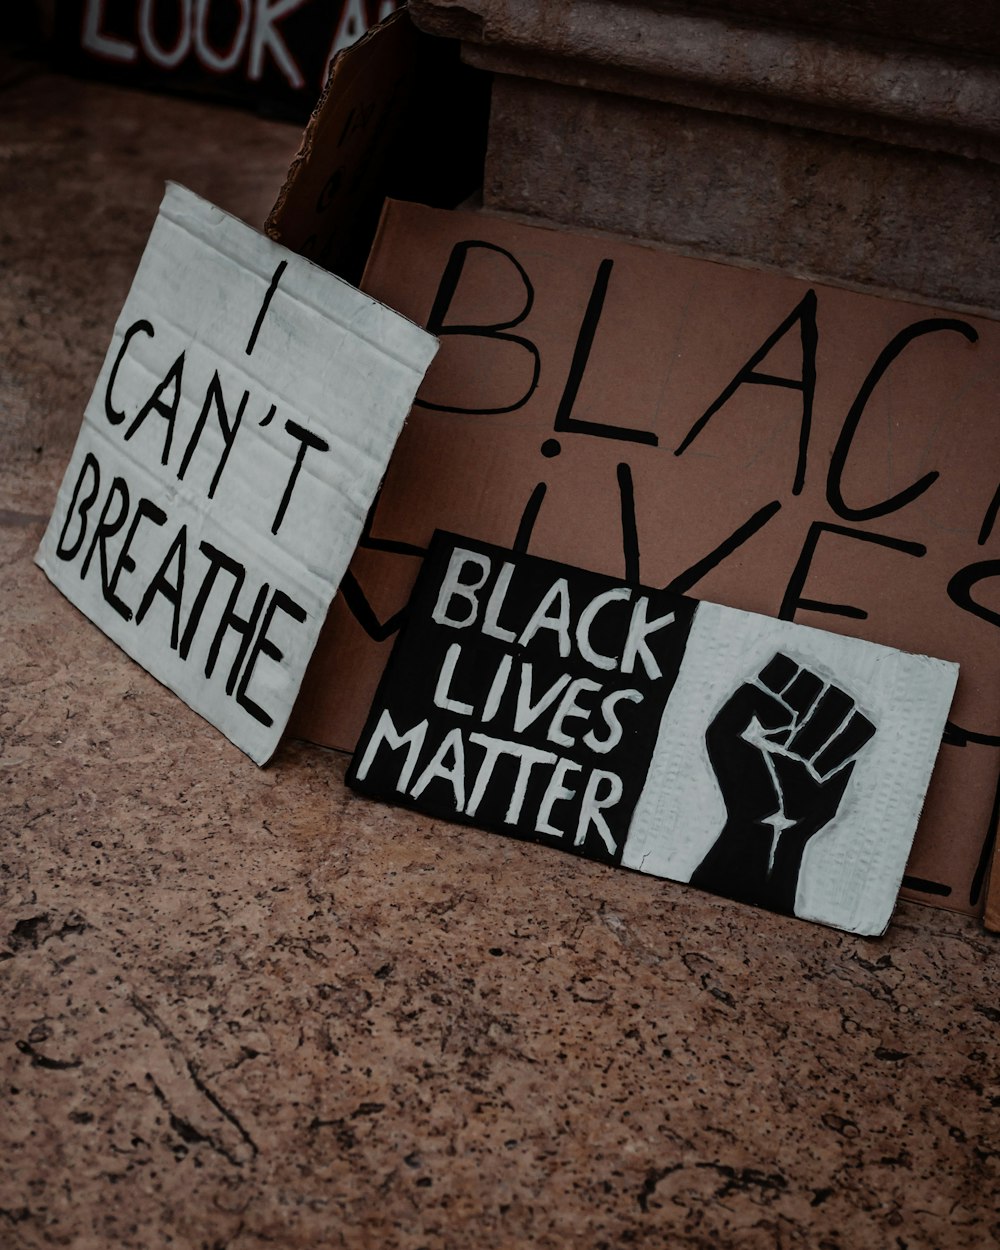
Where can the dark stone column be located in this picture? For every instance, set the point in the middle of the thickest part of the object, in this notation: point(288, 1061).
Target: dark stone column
point(854, 142)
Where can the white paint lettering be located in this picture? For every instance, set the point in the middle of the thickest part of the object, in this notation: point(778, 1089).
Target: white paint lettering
point(592, 806)
point(165, 58)
point(220, 62)
point(569, 709)
point(556, 597)
point(267, 38)
point(586, 622)
point(452, 587)
point(555, 792)
point(639, 630)
point(455, 773)
point(94, 39)
point(386, 732)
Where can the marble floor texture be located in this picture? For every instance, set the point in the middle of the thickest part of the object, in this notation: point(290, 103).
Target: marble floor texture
point(245, 1008)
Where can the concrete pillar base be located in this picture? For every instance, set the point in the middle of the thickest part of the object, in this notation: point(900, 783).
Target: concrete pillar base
point(841, 154)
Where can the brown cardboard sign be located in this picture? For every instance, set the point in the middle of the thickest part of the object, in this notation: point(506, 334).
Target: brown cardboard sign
point(992, 914)
point(790, 449)
point(769, 762)
point(401, 116)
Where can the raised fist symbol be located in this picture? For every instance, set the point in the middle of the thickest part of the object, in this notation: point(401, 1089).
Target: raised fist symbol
point(783, 748)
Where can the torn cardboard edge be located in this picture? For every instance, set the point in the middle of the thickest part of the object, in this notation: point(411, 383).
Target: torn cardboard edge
point(401, 116)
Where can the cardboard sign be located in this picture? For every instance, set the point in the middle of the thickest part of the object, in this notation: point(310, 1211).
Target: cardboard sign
point(795, 450)
point(259, 52)
point(766, 761)
point(234, 441)
point(401, 117)
point(991, 917)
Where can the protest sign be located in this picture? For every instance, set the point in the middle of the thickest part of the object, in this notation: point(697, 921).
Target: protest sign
point(233, 444)
point(268, 54)
point(401, 116)
point(745, 437)
point(770, 762)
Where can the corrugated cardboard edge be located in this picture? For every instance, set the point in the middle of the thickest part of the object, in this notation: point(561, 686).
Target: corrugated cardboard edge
point(991, 916)
point(342, 67)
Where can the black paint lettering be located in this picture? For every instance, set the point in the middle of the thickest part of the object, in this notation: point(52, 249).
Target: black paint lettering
point(442, 302)
point(216, 559)
point(838, 461)
point(986, 852)
point(805, 315)
point(371, 543)
point(268, 296)
point(145, 510)
point(306, 440)
point(80, 507)
point(683, 582)
point(528, 518)
point(356, 602)
point(794, 600)
point(229, 620)
point(357, 119)
point(280, 602)
point(171, 590)
point(923, 886)
point(165, 409)
point(214, 397)
point(990, 519)
point(106, 528)
point(960, 589)
point(565, 422)
point(114, 415)
point(630, 534)
point(327, 196)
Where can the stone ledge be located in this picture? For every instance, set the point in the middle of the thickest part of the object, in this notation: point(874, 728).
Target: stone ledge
point(854, 213)
point(835, 81)
point(828, 151)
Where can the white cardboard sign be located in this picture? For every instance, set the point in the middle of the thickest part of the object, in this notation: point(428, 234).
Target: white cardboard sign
point(765, 761)
point(238, 432)
point(739, 670)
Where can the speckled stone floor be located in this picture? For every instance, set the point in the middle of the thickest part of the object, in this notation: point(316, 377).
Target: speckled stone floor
point(245, 1008)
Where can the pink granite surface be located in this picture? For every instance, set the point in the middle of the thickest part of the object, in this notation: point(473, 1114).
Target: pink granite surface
point(245, 1008)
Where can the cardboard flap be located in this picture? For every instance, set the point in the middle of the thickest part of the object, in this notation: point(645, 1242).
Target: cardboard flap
point(400, 116)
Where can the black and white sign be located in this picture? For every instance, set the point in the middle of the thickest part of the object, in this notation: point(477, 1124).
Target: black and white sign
point(232, 447)
point(271, 54)
point(770, 762)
